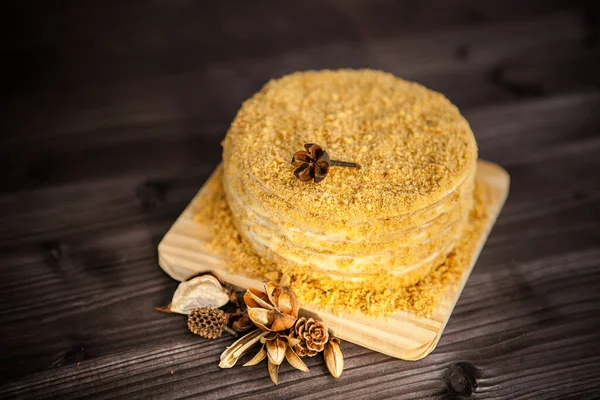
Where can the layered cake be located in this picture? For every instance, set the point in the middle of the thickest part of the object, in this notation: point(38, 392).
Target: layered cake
point(387, 224)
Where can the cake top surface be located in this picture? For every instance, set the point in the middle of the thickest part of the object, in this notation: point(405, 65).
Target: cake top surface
point(414, 146)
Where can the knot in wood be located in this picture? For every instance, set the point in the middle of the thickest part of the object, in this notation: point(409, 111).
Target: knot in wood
point(461, 379)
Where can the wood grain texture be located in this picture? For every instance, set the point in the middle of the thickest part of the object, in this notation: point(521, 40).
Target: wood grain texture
point(185, 252)
point(111, 116)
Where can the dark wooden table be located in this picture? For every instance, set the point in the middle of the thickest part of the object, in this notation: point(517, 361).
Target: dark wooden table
point(112, 113)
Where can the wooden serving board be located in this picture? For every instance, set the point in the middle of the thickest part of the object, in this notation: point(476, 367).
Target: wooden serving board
point(183, 253)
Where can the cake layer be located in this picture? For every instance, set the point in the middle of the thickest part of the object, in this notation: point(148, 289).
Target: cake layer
point(391, 260)
point(262, 223)
point(299, 238)
point(368, 256)
point(404, 276)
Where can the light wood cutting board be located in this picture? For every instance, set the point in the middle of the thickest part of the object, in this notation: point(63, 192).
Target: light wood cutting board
point(183, 253)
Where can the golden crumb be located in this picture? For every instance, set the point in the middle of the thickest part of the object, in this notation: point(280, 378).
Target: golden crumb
point(412, 143)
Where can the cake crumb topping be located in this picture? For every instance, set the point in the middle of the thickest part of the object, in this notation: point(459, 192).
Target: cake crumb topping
point(413, 144)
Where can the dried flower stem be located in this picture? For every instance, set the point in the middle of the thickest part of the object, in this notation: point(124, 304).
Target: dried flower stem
point(230, 331)
point(338, 163)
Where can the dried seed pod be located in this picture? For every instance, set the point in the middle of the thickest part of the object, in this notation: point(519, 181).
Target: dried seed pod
point(208, 323)
point(273, 372)
point(294, 360)
point(276, 350)
point(240, 347)
point(203, 291)
point(258, 357)
point(312, 335)
point(314, 162)
point(274, 310)
point(334, 359)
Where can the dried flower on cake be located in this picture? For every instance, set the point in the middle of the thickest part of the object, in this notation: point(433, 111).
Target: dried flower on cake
point(314, 163)
point(311, 164)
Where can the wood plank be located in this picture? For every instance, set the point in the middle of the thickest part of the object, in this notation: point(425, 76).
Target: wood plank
point(95, 96)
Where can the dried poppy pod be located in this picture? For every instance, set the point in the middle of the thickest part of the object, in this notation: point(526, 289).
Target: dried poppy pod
point(276, 310)
point(314, 163)
point(209, 323)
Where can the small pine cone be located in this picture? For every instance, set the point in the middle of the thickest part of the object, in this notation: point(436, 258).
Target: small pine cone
point(313, 335)
point(207, 322)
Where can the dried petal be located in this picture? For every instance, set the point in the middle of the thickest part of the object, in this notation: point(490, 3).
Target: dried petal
point(203, 291)
point(304, 352)
point(334, 359)
point(318, 332)
point(276, 350)
point(321, 168)
point(294, 360)
point(312, 346)
point(301, 157)
point(304, 172)
point(267, 337)
point(312, 335)
point(256, 298)
point(273, 291)
point(258, 357)
point(261, 317)
point(285, 303)
point(273, 372)
point(295, 305)
point(292, 341)
point(232, 354)
point(282, 322)
point(314, 150)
